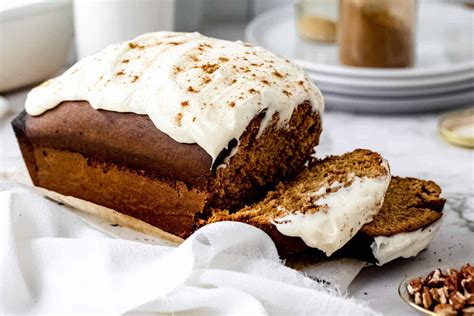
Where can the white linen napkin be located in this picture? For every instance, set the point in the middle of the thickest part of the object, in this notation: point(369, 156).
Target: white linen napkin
point(52, 261)
point(4, 107)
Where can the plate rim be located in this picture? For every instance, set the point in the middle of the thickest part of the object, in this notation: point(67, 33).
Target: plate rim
point(395, 84)
point(415, 91)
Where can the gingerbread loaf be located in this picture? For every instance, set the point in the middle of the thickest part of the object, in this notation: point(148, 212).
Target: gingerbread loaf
point(169, 125)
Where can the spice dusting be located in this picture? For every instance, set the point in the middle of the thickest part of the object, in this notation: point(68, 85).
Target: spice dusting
point(179, 118)
point(192, 90)
point(133, 45)
point(286, 92)
point(209, 68)
point(277, 74)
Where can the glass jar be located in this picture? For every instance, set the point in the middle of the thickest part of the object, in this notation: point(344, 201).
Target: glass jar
point(317, 19)
point(377, 33)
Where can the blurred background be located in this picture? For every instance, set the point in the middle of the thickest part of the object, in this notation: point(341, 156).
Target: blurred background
point(367, 56)
point(395, 56)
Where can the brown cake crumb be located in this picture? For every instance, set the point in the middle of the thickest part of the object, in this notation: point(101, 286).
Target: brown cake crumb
point(185, 103)
point(409, 205)
point(232, 104)
point(125, 61)
point(295, 196)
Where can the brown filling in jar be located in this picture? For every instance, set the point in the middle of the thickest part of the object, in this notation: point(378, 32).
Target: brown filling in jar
point(377, 33)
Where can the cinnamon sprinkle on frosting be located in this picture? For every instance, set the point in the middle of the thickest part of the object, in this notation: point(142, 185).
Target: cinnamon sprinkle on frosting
point(192, 90)
point(133, 45)
point(277, 74)
point(179, 118)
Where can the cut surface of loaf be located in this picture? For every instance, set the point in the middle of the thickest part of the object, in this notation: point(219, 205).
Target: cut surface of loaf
point(323, 207)
point(409, 205)
point(405, 225)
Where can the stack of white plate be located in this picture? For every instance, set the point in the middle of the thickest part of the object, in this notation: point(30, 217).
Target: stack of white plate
point(442, 78)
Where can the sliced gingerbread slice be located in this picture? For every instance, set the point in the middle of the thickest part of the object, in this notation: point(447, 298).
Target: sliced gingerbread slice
point(408, 221)
point(323, 207)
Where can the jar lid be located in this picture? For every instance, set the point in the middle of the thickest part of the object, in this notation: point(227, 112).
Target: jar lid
point(457, 128)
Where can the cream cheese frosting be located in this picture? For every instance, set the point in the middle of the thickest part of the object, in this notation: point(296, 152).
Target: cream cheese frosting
point(194, 88)
point(348, 209)
point(406, 245)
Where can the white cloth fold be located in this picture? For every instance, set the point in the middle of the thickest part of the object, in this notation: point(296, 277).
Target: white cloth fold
point(4, 107)
point(51, 261)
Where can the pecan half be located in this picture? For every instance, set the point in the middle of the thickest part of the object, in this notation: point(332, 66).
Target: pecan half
point(444, 309)
point(457, 300)
point(426, 298)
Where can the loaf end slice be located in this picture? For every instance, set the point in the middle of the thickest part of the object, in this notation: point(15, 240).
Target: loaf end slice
point(406, 224)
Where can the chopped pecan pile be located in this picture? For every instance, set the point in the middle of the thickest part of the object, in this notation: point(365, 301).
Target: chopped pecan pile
point(449, 292)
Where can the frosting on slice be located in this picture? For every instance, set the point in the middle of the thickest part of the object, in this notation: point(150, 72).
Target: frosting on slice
point(406, 245)
point(346, 211)
point(194, 88)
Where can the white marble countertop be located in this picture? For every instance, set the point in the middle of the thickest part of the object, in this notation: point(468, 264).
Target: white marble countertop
point(413, 147)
